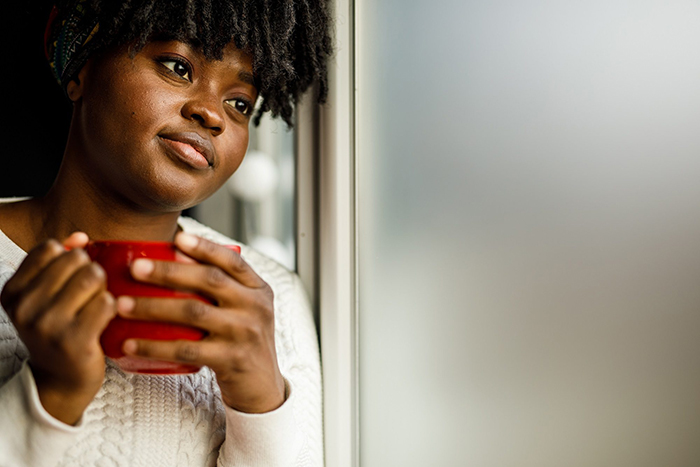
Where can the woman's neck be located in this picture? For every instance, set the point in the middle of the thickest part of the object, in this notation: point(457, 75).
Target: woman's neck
point(102, 218)
point(72, 205)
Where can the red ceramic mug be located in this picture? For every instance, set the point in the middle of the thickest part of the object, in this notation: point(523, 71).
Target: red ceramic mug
point(116, 257)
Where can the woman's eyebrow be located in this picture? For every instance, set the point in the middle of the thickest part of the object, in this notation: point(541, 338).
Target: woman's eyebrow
point(246, 77)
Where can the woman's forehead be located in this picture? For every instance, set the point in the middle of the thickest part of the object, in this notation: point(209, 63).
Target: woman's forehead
point(197, 44)
point(231, 60)
point(229, 51)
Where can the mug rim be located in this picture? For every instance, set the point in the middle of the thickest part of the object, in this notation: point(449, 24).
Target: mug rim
point(132, 242)
point(152, 243)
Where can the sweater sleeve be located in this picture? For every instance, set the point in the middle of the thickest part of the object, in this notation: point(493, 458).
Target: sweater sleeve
point(292, 434)
point(272, 438)
point(29, 436)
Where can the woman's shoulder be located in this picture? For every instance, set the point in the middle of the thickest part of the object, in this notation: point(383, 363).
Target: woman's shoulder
point(194, 227)
point(11, 254)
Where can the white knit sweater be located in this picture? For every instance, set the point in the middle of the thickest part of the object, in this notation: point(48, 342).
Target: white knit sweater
point(178, 420)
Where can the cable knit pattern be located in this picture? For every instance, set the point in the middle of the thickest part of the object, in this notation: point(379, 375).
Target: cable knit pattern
point(12, 351)
point(180, 420)
point(108, 425)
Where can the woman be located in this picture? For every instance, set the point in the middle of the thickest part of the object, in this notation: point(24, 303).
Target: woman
point(162, 97)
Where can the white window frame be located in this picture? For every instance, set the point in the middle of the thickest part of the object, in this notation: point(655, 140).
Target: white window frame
point(326, 237)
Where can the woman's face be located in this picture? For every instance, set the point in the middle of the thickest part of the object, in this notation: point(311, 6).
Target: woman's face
point(165, 129)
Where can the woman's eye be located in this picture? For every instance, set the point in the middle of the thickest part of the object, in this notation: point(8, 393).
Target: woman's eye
point(177, 68)
point(241, 106)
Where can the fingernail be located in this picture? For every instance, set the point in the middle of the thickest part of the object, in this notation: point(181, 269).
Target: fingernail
point(125, 304)
point(186, 240)
point(129, 347)
point(142, 267)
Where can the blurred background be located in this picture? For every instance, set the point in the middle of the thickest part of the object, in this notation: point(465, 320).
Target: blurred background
point(528, 232)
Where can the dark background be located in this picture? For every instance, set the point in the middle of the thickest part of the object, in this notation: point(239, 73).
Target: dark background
point(37, 113)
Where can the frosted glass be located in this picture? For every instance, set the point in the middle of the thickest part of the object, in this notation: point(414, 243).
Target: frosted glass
point(529, 233)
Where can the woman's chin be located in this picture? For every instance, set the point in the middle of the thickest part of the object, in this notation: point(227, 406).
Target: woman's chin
point(168, 199)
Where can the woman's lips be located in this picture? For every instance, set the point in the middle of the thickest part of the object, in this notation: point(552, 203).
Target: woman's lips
point(190, 149)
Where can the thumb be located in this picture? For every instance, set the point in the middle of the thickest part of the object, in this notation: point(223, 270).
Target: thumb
point(76, 240)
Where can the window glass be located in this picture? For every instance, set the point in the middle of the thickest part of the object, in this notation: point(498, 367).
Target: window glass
point(529, 242)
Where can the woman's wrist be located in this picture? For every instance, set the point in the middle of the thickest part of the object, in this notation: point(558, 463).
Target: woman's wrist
point(64, 404)
point(265, 402)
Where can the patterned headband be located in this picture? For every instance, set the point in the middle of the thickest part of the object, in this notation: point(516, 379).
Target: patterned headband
point(67, 40)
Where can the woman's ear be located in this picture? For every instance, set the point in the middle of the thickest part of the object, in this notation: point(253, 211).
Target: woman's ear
point(74, 89)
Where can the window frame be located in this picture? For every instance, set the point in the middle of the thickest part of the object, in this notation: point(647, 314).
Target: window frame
point(326, 237)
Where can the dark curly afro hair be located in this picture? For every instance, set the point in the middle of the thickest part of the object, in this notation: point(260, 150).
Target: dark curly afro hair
point(289, 40)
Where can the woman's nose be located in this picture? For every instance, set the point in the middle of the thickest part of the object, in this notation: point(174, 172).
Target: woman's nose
point(207, 110)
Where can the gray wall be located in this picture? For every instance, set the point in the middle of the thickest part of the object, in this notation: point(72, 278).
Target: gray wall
point(529, 233)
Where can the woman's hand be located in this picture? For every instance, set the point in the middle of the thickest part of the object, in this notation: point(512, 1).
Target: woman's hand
point(240, 345)
point(59, 303)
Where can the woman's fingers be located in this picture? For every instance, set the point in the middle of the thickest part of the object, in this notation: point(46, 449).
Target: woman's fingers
point(225, 258)
point(32, 265)
point(87, 282)
point(43, 289)
point(207, 280)
point(237, 324)
point(200, 353)
point(76, 240)
point(191, 312)
point(218, 272)
point(36, 261)
point(96, 315)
